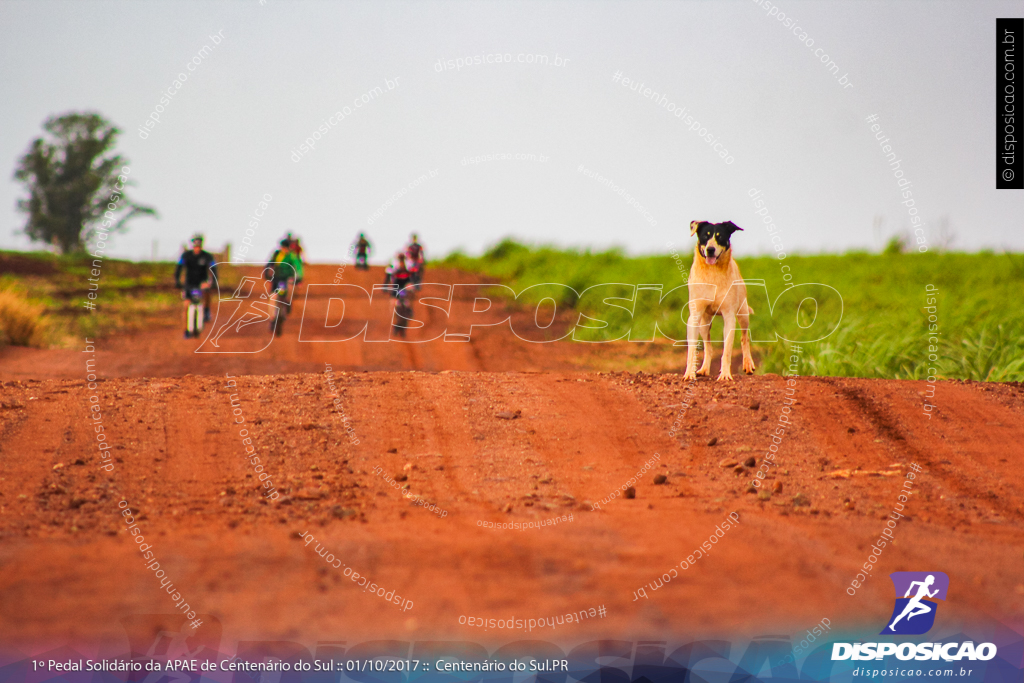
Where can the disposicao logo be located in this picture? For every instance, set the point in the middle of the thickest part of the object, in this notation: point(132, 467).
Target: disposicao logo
point(914, 615)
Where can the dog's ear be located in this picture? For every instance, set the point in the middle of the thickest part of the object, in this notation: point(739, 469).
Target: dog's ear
point(694, 225)
point(731, 227)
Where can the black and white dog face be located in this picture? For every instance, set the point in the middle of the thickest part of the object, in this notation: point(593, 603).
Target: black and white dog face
point(713, 238)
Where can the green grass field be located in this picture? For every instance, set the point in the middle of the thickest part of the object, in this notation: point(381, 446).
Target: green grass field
point(883, 332)
point(132, 295)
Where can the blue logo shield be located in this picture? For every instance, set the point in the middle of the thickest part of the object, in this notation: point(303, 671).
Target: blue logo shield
point(914, 613)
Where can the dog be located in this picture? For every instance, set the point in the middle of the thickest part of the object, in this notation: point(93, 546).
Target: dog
point(716, 288)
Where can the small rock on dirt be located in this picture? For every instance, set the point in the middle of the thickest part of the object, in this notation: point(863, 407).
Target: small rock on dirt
point(506, 415)
point(800, 500)
point(728, 462)
point(342, 513)
point(777, 487)
point(750, 462)
point(630, 492)
point(755, 406)
point(713, 441)
point(660, 479)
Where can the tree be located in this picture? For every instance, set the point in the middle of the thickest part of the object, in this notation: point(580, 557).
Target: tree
point(72, 180)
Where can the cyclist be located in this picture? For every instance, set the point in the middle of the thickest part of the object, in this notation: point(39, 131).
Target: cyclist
point(281, 270)
point(363, 249)
point(294, 244)
point(200, 271)
point(397, 274)
point(296, 249)
point(399, 277)
point(403, 309)
point(415, 261)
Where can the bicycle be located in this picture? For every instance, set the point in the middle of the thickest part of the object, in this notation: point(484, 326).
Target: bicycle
point(194, 315)
point(403, 309)
point(416, 275)
point(280, 300)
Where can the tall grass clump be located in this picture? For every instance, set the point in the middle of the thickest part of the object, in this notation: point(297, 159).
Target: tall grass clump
point(886, 327)
point(21, 323)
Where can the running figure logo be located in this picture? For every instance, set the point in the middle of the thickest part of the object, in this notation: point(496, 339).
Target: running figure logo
point(255, 302)
point(915, 614)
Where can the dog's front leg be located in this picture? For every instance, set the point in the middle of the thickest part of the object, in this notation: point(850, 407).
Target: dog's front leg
point(743, 319)
point(709, 352)
point(691, 343)
point(729, 333)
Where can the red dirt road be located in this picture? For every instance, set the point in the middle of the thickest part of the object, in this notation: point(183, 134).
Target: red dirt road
point(70, 571)
point(163, 353)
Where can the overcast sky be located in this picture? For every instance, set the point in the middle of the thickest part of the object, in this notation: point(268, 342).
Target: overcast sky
point(794, 132)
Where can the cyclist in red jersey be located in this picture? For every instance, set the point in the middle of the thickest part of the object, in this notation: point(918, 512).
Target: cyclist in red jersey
point(399, 278)
point(415, 261)
point(398, 275)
